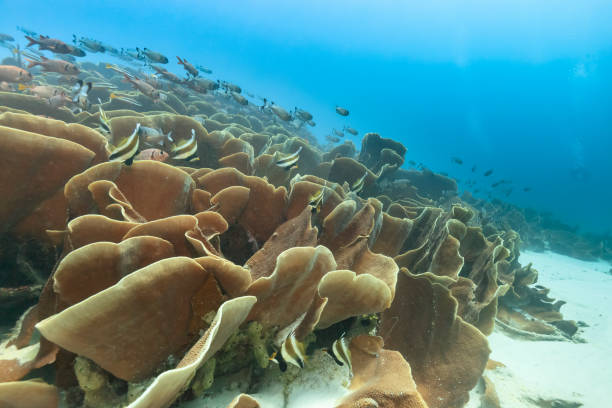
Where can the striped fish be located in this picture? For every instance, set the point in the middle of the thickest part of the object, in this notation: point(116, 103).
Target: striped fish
point(292, 352)
point(289, 161)
point(127, 149)
point(186, 150)
point(358, 185)
point(104, 122)
point(341, 353)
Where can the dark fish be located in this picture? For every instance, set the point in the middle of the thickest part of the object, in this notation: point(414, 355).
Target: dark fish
point(311, 123)
point(204, 69)
point(292, 352)
point(342, 111)
point(302, 114)
point(341, 353)
point(50, 44)
point(88, 44)
point(412, 162)
point(488, 173)
point(473, 169)
point(332, 139)
point(350, 130)
point(153, 55)
point(26, 31)
point(6, 37)
point(456, 160)
point(527, 189)
point(497, 183)
point(280, 112)
point(338, 133)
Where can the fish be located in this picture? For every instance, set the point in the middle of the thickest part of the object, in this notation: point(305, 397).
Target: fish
point(153, 154)
point(350, 130)
point(11, 73)
point(201, 85)
point(152, 55)
point(191, 70)
point(332, 139)
point(412, 162)
point(204, 69)
point(341, 353)
point(127, 150)
point(288, 161)
point(132, 53)
point(342, 111)
point(338, 133)
point(58, 100)
point(316, 201)
point(527, 189)
point(240, 99)
point(280, 112)
point(26, 31)
point(187, 149)
point(357, 186)
point(302, 114)
point(81, 93)
point(42, 91)
point(58, 66)
point(50, 44)
point(166, 74)
point(142, 86)
point(456, 160)
point(311, 123)
point(6, 37)
point(124, 98)
point(104, 122)
point(88, 44)
point(488, 173)
point(155, 136)
point(473, 169)
point(6, 87)
point(229, 87)
point(292, 352)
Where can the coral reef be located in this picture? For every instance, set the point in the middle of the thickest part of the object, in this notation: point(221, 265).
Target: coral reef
point(147, 284)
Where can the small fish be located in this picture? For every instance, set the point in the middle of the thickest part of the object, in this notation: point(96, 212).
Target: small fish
point(88, 44)
point(338, 133)
point(152, 55)
point(42, 91)
point(456, 160)
point(316, 201)
point(240, 99)
point(51, 44)
point(341, 353)
point(142, 86)
point(342, 111)
point(488, 173)
point(11, 73)
point(155, 136)
point(280, 112)
point(6, 37)
point(311, 123)
point(473, 169)
point(332, 139)
point(58, 66)
point(204, 69)
point(124, 99)
point(58, 100)
point(288, 161)
point(527, 189)
point(117, 69)
point(229, 87)
point(81, 93)
point(127, 149)
point(186, 150)
point(26, 31)
point(412, 162)
point(357, 186)
point(104, 122)
point(191, 70)
point(153, 154)
point(302, 114)
point(166, 74)
point(6, 87)
point(350, 130)
point(292, 352)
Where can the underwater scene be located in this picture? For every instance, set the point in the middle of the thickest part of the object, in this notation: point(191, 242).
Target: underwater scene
point(347, 204)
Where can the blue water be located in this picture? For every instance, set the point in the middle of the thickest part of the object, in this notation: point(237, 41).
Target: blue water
point(522, 88)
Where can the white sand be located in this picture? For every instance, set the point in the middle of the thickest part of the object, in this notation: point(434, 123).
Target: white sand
point(561, 370)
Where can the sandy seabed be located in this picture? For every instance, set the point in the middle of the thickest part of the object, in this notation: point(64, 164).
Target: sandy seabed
point(548, 370)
